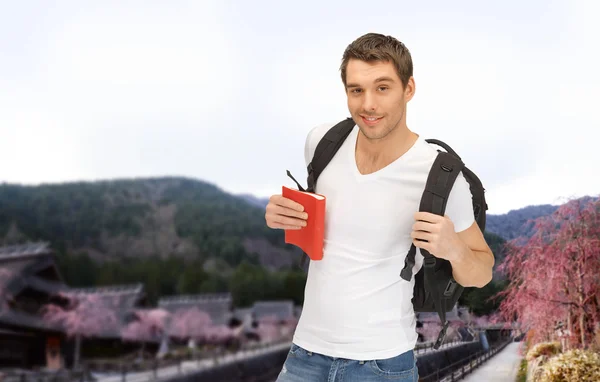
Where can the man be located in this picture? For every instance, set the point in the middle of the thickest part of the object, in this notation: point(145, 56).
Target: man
point(358, 322)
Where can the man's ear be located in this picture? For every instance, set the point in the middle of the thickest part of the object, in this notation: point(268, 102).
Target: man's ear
point(410, 89)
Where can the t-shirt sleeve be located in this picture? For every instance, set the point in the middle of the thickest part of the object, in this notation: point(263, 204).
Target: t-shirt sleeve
point(459, 207)
point(308, 149)
point(312, 140)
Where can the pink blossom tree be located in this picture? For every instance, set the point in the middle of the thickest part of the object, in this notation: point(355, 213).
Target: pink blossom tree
point(268, 328)
point(288, 327)
point(85, 315)
point(148, 325)
point(554, 275)
point(481, 322)
point(190, 323)
point(219, 334)
point(430, 330)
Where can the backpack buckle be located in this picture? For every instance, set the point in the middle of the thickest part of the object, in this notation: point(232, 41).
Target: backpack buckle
point(441, 336)
point(450, 288)
point(429, 262)
point(446, 167)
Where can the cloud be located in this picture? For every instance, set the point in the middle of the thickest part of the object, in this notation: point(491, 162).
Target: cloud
point(227, 92)
point(118, 89)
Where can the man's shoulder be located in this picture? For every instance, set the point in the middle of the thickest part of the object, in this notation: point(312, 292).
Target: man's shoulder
point(316, 133)
point(314, 136)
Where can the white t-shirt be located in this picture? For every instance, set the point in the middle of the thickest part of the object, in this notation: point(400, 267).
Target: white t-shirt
point(356, 304)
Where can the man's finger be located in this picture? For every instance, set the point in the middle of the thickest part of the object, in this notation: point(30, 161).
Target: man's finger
point(289, 203)
point(427, 217)
point(286, 220)
point(286, 226)
point(285, 211)
point(420, 235)
point(423, 245)
point(425, 226)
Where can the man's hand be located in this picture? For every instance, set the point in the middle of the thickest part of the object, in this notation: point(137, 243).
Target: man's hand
point(284, 213)
point(442, 241)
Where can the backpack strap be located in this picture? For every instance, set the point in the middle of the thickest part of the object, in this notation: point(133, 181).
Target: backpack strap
point(326, 150)
point(478, 191)
point(443, 174)
point(476, 187)
point(444, 146)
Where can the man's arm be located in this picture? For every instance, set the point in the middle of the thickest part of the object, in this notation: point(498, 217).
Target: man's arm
point(471, 258)
point(473, 261)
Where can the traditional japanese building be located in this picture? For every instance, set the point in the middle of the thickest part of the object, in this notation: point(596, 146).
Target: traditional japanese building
point(118, 304)
point(218, 305)
point(29, 278)
point(282, 310)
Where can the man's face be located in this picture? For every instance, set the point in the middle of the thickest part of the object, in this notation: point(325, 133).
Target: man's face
point(376, 98)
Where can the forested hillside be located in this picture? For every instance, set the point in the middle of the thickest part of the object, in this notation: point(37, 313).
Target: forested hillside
point(177, 235)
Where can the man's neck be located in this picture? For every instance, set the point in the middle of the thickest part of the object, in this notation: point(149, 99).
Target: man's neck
point(387, 149)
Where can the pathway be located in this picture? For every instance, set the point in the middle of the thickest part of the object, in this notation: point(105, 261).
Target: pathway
point(502, 367)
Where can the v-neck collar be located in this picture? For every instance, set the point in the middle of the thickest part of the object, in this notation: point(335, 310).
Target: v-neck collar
point(353, 139)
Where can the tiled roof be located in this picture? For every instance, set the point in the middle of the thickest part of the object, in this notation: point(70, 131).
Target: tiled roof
point(45, 286)
point(217, 305)
point(20, 270)
point(19, 273)
point(110, 290)
point(24, 250)
point(241, 313)
point(123, 299)
point(188, 299)
point(282, 309)
point(26, 320)
point(16, 266)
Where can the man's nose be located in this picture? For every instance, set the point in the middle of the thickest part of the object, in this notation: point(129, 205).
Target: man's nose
point(369, 102)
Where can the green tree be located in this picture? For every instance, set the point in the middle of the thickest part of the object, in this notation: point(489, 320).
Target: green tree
point(481, 301)
point(248, 284)
point(294, 283)
point(192, 278)
point(78, 270)
point(214, 283)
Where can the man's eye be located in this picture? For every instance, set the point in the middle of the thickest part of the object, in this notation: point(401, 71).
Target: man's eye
point(355, 90)
point(383, 88)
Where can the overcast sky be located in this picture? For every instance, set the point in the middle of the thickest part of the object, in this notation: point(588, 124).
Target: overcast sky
point(226, 91)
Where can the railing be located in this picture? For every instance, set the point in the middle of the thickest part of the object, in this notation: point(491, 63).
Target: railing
point(42, 376)
point(160, 369)
point(461, 368)
point(426, 347)
point(149, 370)
point(166, 369)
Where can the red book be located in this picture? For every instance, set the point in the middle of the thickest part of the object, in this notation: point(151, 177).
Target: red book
point(310, 237)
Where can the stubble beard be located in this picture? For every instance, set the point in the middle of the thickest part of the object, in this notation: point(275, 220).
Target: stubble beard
point(388, 128)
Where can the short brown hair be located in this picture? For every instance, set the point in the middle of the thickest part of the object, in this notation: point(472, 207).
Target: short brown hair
point(377, 47)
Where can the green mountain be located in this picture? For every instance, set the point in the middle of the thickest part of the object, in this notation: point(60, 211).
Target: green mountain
point(519, 223)
point(176, 235)
point(143, 218)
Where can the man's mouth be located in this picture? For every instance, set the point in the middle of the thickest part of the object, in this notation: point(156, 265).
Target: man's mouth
point(371, 121)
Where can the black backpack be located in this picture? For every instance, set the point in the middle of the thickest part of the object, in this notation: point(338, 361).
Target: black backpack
point(435, 289)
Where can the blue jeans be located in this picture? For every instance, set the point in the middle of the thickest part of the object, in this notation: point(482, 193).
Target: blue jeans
point(305, 366)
